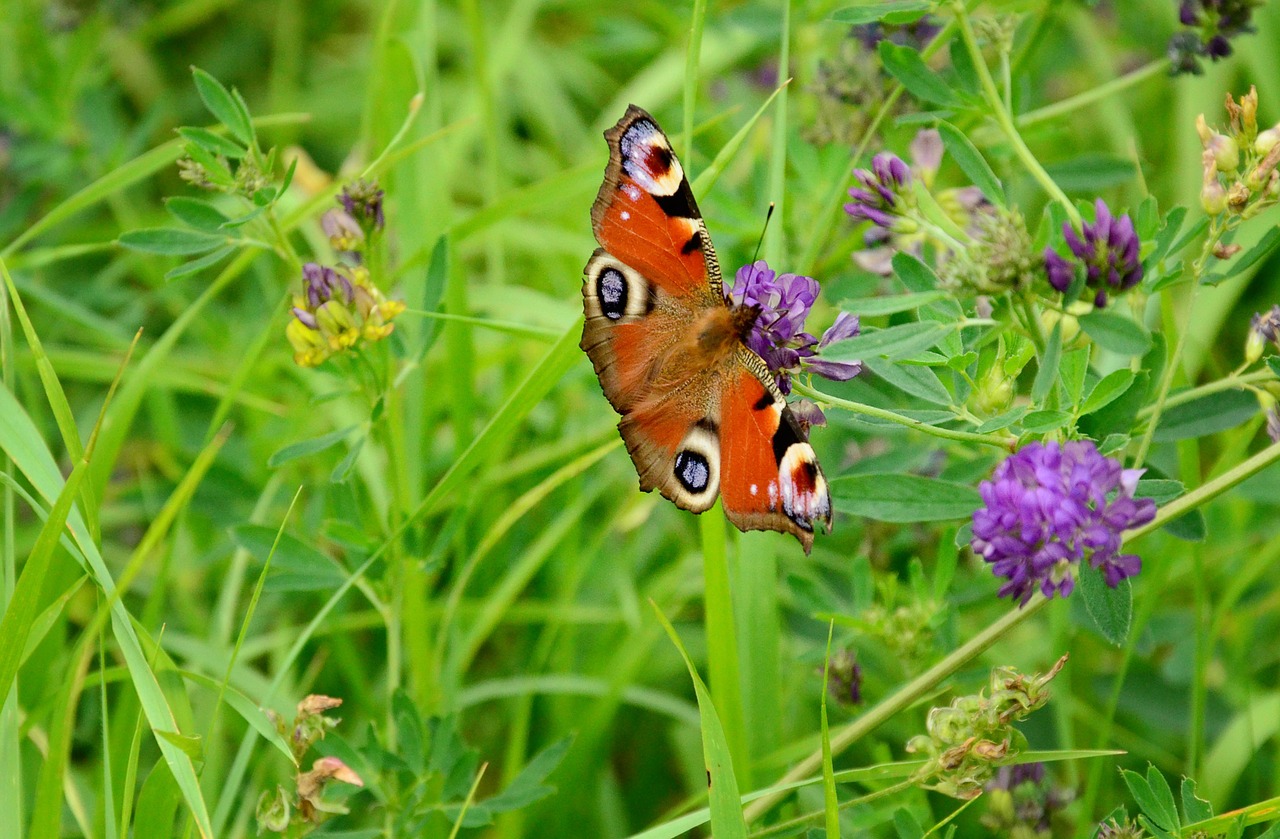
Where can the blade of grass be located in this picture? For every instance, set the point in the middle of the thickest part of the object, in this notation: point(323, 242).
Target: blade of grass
point(692, 56)
point(725, 805)
point(466, 804)
point(775, 242)
point(723, 665)
point(831, 804)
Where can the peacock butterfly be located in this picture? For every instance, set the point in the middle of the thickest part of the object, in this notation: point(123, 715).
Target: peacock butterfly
point(702, 414)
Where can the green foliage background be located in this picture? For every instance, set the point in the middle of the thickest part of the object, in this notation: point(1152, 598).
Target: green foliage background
point(514, 562)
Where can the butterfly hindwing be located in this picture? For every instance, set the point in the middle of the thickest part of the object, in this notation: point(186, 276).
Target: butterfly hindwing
point(770, 478)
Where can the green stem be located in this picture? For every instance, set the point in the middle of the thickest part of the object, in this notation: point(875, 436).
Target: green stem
point(992, 96)
point(1094, 94)
point(1173, 362)
point(1000, 441)
point(1206, 492)
point(1231, 382)
point(723, 667)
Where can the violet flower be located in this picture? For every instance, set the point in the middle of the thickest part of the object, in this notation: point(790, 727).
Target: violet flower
point(778, 335)
point(878, 198)
point(1050, 506)
point(1108, 249)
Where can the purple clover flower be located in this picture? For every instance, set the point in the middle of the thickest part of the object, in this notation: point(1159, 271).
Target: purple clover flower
point(877, 199)
point(1108, 249)
point(778, 335)
point(1048, 507)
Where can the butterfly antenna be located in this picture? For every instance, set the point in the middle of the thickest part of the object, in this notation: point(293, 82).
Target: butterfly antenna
point(763, 230)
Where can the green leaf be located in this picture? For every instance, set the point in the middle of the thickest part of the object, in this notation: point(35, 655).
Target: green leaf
point(1194, 808)
point(196, 213)
point(870, 11)
point(1189, 527)
point(1116, 333)
point(1110, 608)
point(529, 786)
point(200, 263)
point(917, 381)
point(1206, 415)
point(966, 72)
point(1159, 490)
point(1164, 238)
point(1166, 812)
point(295, 565)
point(171, 241)
point(1071, 372)
point(903, 498)
point(343, 468)
point(1048, 370)
point(872, 306)
point(971, 162)
point(293, 451)
point(1004, 420)
point(192, 744)
point(1040, 422)
point(895, 342)
point(157, 806)
point(906, 825)
point(228, 110)
point(1106, 391)
point(906, 65)
point(212, 143)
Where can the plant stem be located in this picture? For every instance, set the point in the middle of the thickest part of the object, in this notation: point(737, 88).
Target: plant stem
point(1206, 492)
point(1172, 364)
point(1231, 382)
point(1094, 94)
point(1000, 441)
point(992, 96)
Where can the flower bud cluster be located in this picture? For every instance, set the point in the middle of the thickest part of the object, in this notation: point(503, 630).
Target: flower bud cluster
point(1239, 166)
point(1211, 26)
point(969, 740)
point(1022, 802)
point(279, 810)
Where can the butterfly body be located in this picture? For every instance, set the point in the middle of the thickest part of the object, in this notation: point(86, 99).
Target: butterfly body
point(702, 414)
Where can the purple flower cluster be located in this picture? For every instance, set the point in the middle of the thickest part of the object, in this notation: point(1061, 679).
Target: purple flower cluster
point(363, 202)
point(1048, 507)
point(1108, 249)
point(877, 199)
point(1217, 22)
point(778, 335)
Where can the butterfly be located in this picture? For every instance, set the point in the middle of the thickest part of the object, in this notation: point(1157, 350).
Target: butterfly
point(702, 414)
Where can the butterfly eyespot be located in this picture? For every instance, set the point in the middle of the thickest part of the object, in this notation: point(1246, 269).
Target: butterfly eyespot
point(692, 470)
point(611, 288)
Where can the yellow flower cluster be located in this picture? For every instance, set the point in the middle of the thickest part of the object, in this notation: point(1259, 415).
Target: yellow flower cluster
point(338, 308)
